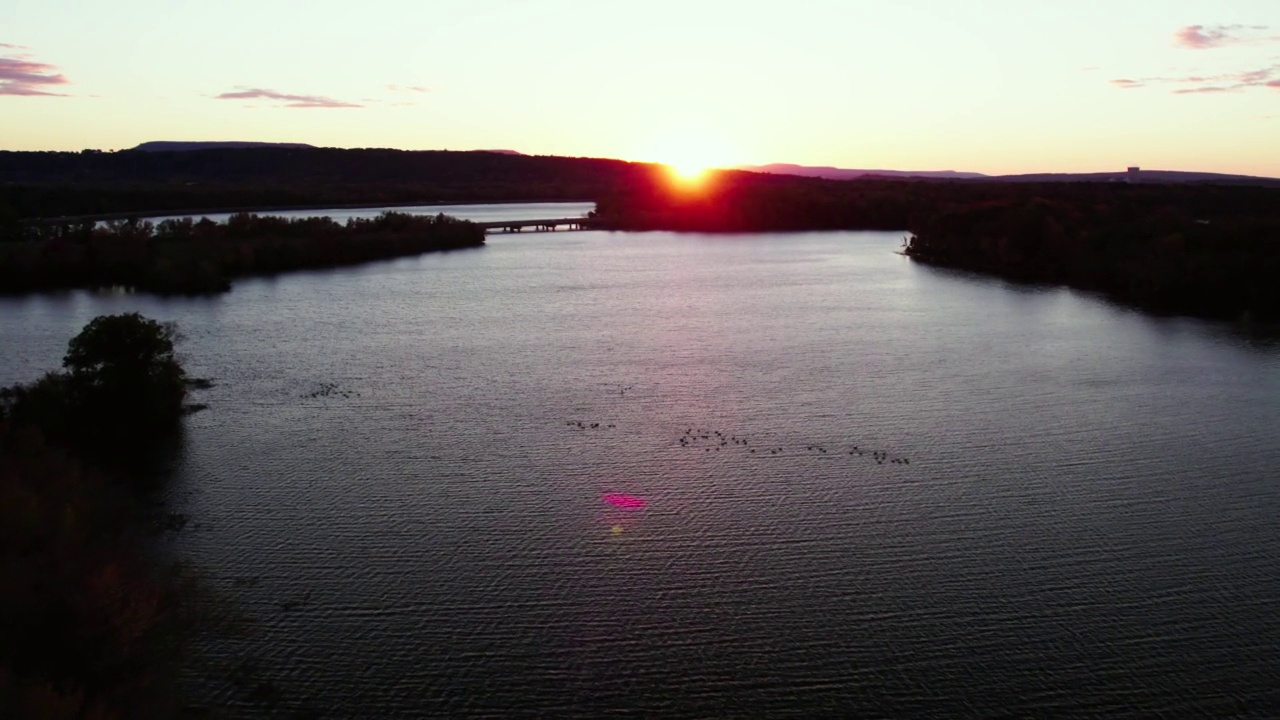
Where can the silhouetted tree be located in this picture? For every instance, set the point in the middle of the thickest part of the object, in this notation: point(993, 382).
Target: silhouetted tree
point(123, 373)
point(120, 395)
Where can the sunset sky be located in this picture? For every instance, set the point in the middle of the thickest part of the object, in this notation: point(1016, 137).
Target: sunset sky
point(994, 86)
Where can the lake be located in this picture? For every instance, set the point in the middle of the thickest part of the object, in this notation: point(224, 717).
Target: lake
point(872, 488)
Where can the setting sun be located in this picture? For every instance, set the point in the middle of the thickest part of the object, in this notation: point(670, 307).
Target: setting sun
point(687, 172)
point(690, 151)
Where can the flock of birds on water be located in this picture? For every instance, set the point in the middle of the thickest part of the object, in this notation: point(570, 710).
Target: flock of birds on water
point(709, 440)
point(589, 425)
point(693, 438)
point(714, 440)
point(324, 390)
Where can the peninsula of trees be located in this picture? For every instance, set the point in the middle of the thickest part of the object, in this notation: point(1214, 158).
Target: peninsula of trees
point(185, 257)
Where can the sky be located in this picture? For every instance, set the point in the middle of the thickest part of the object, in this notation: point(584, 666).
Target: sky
point(992, 86)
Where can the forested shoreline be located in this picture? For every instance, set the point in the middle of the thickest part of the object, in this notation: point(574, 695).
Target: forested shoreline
point(1201, 250)
point(1198, 249)
point(186, 257)
point(1167, 260)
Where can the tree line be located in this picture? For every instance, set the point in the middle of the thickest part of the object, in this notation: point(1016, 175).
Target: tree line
point(59, 184)
point(1202, 249)
point(1206, 250)
point(180, 256)
point(1169, 258)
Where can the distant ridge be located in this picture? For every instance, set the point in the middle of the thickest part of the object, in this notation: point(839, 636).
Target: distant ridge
point(1143, 176)
point(179, 146)
point(813, 171)
point(835, 173)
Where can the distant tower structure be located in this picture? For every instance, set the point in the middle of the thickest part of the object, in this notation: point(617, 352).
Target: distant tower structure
point(1132, 174)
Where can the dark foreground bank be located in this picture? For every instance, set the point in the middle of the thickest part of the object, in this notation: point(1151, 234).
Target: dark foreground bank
point(92, 624)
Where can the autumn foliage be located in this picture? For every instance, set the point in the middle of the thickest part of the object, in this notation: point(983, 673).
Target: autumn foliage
point(89, 624)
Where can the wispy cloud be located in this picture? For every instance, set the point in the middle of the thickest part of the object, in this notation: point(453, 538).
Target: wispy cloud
point(288, 100)
point(1205, 89)
point(21, 75)
point(1268, 77)
point(1205, 37)
point(406, 90)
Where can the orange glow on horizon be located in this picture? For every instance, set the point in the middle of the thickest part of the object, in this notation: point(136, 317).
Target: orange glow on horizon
point(688, 174)
point(690, 150)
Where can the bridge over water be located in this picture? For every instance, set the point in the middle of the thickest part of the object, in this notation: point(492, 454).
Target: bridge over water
point(545, 225)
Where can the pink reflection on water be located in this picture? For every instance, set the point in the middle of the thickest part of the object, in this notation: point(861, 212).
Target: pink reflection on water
point(626, 502)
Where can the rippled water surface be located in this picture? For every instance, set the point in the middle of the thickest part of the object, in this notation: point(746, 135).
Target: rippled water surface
point(1075, 512)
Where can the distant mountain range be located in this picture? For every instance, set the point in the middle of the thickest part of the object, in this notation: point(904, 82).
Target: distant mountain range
point(835, 173)
point(1146, 176)
point(179, 146)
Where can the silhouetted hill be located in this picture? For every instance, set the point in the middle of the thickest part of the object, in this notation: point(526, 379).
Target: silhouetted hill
point(44, 184)
point(178, 146)
point(59, 184)
point(1144, 176)
point(834, 173)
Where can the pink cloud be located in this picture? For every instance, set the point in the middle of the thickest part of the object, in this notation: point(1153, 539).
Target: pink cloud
point(20, 75)
point(1207, 84)
point(1257, 77)
point(290, 100)
point(1204, 37)
point(1205, 89)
